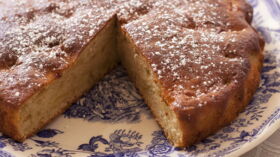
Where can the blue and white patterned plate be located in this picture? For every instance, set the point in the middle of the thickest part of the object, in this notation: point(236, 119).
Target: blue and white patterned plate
point(112, 120)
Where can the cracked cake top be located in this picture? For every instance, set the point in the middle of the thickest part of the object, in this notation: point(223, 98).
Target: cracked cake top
point(195, 47)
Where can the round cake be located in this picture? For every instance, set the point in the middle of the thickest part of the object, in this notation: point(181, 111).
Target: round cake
point(196, 63)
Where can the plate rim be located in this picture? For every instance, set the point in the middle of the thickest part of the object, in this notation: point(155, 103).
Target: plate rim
point(260, 138)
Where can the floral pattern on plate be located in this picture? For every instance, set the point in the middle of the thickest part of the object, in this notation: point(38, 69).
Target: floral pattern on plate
point(113, 120)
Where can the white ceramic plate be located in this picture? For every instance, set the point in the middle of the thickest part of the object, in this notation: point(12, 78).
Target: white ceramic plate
point(112, 120)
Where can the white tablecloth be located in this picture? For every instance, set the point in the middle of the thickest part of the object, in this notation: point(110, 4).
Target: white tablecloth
point(269, 148)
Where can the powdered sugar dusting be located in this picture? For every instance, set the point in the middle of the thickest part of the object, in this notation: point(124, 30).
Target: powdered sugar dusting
point(191, 45)
point(41, 40)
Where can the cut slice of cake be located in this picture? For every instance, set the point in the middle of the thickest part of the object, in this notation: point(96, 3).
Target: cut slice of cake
point(195, 71)
point(197, 65)
point(49, 58)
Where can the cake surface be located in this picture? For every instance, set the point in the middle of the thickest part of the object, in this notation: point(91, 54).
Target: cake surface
point(196, 62)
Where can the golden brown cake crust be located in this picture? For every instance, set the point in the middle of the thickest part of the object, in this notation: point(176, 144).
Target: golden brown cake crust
point(204, 53)
point(207, 59)
point(40, 40)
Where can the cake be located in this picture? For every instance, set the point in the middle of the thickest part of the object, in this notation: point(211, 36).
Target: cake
point(195, 62)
